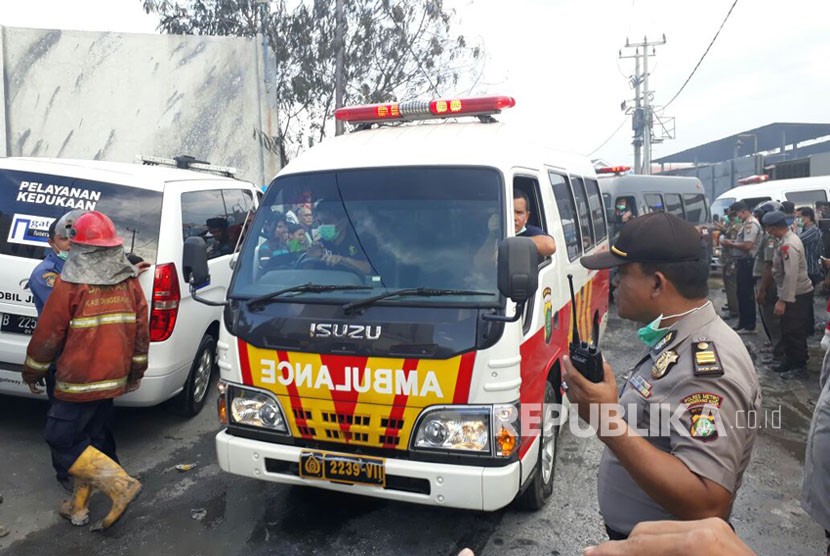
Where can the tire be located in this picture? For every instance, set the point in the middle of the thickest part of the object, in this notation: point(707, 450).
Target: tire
point(541, 485)
point(192, 398)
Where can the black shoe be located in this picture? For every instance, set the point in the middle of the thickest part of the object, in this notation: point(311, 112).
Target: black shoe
point(783, 367)
point(66, 483)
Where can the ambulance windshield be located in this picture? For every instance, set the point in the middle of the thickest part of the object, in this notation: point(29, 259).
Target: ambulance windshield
point(387, 228)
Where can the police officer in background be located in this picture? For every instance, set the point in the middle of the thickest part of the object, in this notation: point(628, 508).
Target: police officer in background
point(795, 294)
point(766, 294)
point(730, 281)
point(744, 248)
point(694, 362)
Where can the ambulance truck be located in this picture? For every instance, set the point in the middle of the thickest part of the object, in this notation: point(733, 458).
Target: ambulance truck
point(402, 344)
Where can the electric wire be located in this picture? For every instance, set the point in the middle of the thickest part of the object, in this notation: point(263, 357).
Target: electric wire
point(619, 127)
point(702, 57)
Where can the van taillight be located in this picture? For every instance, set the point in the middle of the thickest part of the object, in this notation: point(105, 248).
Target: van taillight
point(166, 299)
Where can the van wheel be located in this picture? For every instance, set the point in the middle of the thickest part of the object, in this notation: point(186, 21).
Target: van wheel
point(192, 398)
point(541, 485)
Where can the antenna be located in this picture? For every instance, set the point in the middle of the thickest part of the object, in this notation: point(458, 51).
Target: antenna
point(575, 339)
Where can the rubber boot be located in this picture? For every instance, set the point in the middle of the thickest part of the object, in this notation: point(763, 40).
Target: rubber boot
point(76, 509)
point(110, 478)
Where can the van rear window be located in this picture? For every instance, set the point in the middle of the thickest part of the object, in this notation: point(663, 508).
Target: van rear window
point(31, 201)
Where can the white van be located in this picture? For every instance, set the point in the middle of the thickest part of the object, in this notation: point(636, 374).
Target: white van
point(407, 355)
point(154, 209)
point(800, 191)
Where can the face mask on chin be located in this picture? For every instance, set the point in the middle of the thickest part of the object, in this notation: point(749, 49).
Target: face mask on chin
point(63, 255)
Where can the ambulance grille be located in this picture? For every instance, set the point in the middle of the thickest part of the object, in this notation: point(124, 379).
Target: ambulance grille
point(386, 440)
point(349, 436)
point(306, 431)
point(343, 418)
point(301, 414)
point(396, 424)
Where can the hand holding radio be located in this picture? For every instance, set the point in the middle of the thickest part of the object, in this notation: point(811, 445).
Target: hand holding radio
point(586, 357)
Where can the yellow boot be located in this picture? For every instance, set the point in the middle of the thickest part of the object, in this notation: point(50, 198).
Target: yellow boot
point(76, 509)
point(110, 478)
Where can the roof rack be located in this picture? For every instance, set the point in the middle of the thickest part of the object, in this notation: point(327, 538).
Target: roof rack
point(187, 163)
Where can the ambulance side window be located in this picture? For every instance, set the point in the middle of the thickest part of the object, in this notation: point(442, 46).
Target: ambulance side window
point(674, 205)
point(585, 223)
point(654, 202)
point(567, 213)
point(597, 211)
point(530, 187)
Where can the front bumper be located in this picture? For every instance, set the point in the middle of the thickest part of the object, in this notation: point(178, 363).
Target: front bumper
point(454, 486)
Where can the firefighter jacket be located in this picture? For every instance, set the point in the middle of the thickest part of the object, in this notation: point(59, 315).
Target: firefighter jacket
point(100, 336)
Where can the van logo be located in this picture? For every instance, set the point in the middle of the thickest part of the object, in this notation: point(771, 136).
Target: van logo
point(351, 331)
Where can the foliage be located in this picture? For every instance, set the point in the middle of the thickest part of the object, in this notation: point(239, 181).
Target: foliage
point(392, 49)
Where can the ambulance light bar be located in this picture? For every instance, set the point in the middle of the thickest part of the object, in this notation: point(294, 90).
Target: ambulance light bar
point(614, 170)
point(759, 178)
point(186, 163)
point(424, 110)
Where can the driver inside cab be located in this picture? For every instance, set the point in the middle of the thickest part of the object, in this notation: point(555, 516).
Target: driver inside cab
point(337, 244)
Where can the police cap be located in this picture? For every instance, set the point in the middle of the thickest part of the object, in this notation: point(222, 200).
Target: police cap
point(658, 237)
point(775, 219)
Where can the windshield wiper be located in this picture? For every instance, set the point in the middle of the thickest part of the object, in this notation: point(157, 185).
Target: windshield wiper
point(421, 292)
point(303, 288)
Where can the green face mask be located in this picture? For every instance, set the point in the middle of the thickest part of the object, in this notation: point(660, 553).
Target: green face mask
point(295, 245)
point(651, 333)
point(63, 255)
point(327, 232)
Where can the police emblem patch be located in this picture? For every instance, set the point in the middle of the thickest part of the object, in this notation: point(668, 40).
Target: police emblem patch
point(706, 361)
point(49, 278)
point(663, 363)
point(703, 412)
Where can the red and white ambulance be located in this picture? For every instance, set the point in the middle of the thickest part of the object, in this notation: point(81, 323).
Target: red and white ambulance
point(396, 344)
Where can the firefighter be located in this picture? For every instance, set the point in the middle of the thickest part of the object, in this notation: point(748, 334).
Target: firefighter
point(96, 320)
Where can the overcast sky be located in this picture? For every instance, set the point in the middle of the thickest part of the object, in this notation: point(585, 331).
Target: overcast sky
point(559, 59)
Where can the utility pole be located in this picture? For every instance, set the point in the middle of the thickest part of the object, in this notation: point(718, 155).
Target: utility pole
point(132, 240)
point(339, 80)
point(643, 115)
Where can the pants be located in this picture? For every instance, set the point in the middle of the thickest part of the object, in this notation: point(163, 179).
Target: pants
point(71, 427)
point(615, 535)
point(794, 331)
point(746, 293)
point(811, 318)
point(771, 323)
point(730, 284)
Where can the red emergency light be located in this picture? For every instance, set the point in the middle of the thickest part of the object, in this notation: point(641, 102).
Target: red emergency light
point(424, 110)
point(614, 170)
point(753, 179)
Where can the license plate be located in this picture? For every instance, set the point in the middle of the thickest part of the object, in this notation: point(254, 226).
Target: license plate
point(17, 324)
point(339, 468)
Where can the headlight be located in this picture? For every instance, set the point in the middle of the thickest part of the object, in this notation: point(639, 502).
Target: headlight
point(255, 409)
point(459, 428)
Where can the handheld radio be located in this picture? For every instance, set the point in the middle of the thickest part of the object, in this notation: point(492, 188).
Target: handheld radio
point(585, 356)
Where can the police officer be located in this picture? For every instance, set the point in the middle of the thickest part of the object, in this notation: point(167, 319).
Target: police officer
point(744, 249)
point(41, 282)
point(696, 375)
point(730, 281)
point(795, 293)
point(815, 490)
point(766, 294)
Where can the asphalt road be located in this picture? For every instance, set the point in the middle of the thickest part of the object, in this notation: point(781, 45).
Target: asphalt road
point(207, 512)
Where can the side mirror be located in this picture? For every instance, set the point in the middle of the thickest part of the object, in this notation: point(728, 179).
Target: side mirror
point(194, 262)
point(518, 273)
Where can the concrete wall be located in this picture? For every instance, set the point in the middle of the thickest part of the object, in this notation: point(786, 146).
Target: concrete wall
point(820, 164)
point(111, 96)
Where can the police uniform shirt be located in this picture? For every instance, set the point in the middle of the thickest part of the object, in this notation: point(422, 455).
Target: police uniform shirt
point(765, 254)
point(42, 279)
point(702, 363)
point(750, 232)
point(789, 268)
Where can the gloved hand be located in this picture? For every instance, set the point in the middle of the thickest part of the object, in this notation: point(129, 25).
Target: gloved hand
point(35, 387)
point(825, 342)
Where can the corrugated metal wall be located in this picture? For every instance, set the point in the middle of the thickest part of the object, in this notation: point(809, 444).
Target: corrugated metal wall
point(111, 96)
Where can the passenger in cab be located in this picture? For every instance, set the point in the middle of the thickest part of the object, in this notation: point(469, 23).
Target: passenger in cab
point(521, 214)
